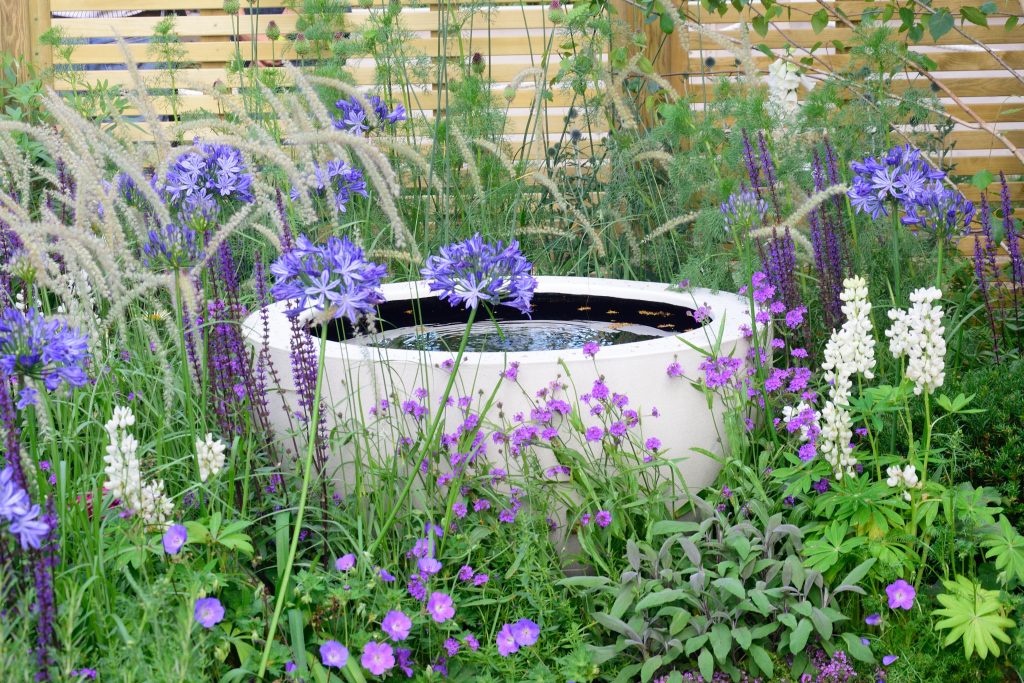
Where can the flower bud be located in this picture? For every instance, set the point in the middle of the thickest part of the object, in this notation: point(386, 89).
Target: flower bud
point(273, 31)
point(477, 63)
point(231, 6)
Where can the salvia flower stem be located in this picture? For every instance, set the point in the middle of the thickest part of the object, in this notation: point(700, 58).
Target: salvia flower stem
point(431, 436)
point(282, 586)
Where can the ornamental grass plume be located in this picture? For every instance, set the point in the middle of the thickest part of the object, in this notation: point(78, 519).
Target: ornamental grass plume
point(471, 272)
point(917, 333)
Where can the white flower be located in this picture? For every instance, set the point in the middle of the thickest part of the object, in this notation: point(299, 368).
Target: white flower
point(808, 428)
point(905, 478)
point(210, 454)
point(850, 351)
point(784, 80)
point(124, 478)
point(917, 333)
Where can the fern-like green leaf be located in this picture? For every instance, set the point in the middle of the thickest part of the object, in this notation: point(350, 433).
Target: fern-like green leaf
point(974, 615)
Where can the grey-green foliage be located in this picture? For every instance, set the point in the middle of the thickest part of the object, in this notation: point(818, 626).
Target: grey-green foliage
point(722, 596)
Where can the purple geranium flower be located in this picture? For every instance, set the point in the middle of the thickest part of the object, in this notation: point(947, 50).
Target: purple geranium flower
point(889, 659)
point(396, 625)
point(174, 538)
point(873, 619)
point(209, 612)
point(333, 653)
point(440, 607)
point(901, 595)
point(525, 632)
point(345, 562)
point(377, 658)
point(506, 641)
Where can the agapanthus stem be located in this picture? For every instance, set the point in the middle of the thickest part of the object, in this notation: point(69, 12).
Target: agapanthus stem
point(282, 587)
point(431, 436)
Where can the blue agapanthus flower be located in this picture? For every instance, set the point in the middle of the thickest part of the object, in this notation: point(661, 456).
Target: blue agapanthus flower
point(353, 117)
point(22, 517)
point(202, 181)
point(900, 176)
point(940, 210)
point(337, 179)
point(334, 278)
point(473, 271)
point(50, 350)
point(173, 247)
point(744, 211)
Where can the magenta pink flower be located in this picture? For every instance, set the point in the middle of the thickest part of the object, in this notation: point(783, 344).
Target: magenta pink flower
point(440, 607)
point(333, 653)
point(377, 658)
point(901, 595)
point(396, 625)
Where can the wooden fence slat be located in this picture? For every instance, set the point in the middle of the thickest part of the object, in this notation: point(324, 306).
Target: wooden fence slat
point(945, 61)
point(853, 9)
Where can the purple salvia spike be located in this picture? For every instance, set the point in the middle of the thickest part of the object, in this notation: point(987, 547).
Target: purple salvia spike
point(769, 174)
point(1012, 235)
point(287, 239)
point(12, 432)
point(982, 270)
point(44, 562)
point(752, 167)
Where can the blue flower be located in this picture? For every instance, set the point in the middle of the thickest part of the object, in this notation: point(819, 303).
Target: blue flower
point(899, 175)
point(334, 278)
point(32, 346)
point(942, 211)
point(353, 116)
point(338, 177)
point(30, 530)
point(203, 181)
point(173, 247)
point(744, 211)
point(473, 271)
point(13, 500)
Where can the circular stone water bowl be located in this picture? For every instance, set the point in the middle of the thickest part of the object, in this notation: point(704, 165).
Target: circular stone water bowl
point(359, 375)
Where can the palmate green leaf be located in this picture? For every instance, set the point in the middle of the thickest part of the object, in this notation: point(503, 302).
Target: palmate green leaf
point(1006, 545)
point(974, 615)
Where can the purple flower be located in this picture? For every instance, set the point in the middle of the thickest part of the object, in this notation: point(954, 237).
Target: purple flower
point(290, 667)
point(85, 673)
point(822, 485)
point(333, 278)
point(873, 619)
point(511, 373)
point(603, 518)
point(385, 575)
point(595, 433)
point(30, 529)
point(209, 612)
point(744, 211)
point(353, 116)
point(525, 632)
point(174, 247)
point(472, 643)
point(377, 658)
point(888, 660)
point(718, 371)
point(591, 348)
point(345, 562)
point(473, 271)
point(396, 625)
point(32, 346)
point(451, 646)
point(480, 579)
point(653, 443)
point(901, 595)
point(14, 502)
point(440, 607)
point(428, 566)
point(465, 573)
point(337, 181)
point(674, 370)
point(405, 661)
point(174, 538)
point(333, 653)
point(506, 641)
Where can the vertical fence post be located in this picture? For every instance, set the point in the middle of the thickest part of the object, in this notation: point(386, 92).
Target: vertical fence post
point(22, 22)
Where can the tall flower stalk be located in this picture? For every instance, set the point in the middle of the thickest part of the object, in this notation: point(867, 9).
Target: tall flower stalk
point(323, 283)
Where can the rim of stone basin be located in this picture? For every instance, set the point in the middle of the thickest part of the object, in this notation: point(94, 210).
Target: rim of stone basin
point(728, 313)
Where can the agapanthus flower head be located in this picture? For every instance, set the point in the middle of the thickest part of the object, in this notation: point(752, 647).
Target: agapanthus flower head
point(473, 271)
point(900, 175)
point(333, 279)
point(202, 181)
point(337, 180)
point(47, 349)
point(744, 211)
point(352, 117)
point(918, 334)
point(209, 612)
point(944, 212)
point(24, 518)
point(173, 247)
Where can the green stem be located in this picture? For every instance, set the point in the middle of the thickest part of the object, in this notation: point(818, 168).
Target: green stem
point(927, 437)
point(425, 443)
point(282, 588)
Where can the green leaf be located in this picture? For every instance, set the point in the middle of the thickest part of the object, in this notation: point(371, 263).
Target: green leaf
point(660, 598)
point(982, 179)
point(908, 18)
point(858, 573)
point(798, 638)
point(762, 660)
point(1011, 23)
point(819, 20)
point(760, 24)
point(741, 634)
point(650, 667)
point(731, 585)
point(940, 23)
point(695, 643)
point(974, 15)
point(988, 8)
point(666, 24)
point(974, 615)
point(857, 649)
point(584, 582)
point(706, 663)
point(721, 641)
